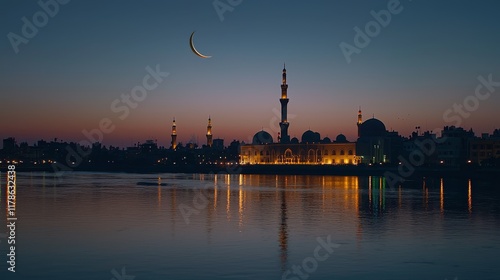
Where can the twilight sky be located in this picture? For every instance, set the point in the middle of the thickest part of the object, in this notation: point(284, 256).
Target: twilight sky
point(65, 78)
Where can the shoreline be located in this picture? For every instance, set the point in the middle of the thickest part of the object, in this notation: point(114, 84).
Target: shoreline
point(325, 170)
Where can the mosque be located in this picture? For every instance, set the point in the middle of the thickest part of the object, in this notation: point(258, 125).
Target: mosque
point(372, 146)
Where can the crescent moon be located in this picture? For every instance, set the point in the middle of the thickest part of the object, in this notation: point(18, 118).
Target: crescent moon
point(191, 44)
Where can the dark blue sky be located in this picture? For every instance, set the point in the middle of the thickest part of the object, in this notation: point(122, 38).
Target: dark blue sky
point(65, 78)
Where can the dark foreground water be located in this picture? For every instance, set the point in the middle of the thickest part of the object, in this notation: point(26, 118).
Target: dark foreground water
point(177, 226)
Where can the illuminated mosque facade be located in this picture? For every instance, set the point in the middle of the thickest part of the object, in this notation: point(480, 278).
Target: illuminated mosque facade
point(373, 145)
point(310, 150)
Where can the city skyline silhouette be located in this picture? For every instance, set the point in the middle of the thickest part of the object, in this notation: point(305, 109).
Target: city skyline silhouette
point(407, 68)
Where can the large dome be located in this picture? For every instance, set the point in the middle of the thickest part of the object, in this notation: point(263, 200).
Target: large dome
point(311, 137)
point(341, 139)
point(262, 137)
point(372, 128)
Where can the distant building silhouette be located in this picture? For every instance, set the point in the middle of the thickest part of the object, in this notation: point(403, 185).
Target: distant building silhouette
point(454, 148)
point(485, 149)
point(218, 144)
point(373, 145)
point(209, 132)
point(360, 120)
point(285, 138)
point(174, 136)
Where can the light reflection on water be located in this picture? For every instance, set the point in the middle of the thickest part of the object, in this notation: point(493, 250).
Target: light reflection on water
point(198, 226)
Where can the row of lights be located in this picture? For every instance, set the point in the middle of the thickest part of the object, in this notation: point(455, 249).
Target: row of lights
point(21, 162)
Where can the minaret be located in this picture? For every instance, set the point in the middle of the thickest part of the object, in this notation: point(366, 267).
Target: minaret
point(209, 132)
point(360, 121)
point(285, 138)
point(174, 136)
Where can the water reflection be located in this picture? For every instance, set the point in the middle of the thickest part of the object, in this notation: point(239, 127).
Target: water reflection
point(469, 196)
point(347, 195)
point(347, 202)
point(441, 196)
point(263, 222)
point(283, 231)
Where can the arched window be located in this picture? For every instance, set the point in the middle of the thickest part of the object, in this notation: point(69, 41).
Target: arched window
point(267, 153)
point(342, 152)
point(334, 152)
point(325, 152)
point(310, 155)
point(350, 152)
point(261, 153)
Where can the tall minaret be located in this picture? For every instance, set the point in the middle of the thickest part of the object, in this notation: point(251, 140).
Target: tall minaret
point(209, 132)
point(174, 136)
point(360, 121)
point(285, 138)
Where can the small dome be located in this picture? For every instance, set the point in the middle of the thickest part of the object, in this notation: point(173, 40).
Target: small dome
point(341, 139)
point(326, 140)
point(372, 128)
point(294, 140)
point(262, 137)
point(311, 137)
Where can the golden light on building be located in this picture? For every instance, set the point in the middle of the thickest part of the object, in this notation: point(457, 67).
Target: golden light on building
point(209, 132)
point(173, 143)
point(311, 151)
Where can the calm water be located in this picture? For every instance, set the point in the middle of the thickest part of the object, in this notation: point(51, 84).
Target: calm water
point(177, 226)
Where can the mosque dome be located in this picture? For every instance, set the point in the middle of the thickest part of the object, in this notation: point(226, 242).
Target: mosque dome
point(326, 140)
point(341, 139)
point(311, 137)
point(262, 137)
point(372, 128)
point(294, 140)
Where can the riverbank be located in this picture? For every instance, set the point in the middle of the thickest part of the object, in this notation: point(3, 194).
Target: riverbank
point(285, 169)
